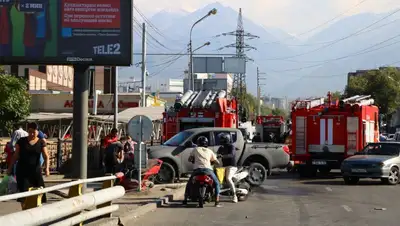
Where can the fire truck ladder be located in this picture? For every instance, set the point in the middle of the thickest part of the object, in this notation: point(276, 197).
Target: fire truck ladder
point(310, 103)
point(359, 99)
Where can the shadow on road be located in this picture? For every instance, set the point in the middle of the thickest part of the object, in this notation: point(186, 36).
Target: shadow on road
point(341, 182)
point(295, 176)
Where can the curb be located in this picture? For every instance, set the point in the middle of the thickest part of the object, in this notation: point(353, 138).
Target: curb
point(149, 207)
point(173, 186)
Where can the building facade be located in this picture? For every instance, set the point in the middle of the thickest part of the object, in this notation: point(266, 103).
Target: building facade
point(63, 102)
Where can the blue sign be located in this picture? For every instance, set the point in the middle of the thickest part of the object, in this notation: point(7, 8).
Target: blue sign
point(32, 5)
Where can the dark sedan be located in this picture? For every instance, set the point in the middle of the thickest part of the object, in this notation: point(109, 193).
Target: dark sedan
point(377, 161)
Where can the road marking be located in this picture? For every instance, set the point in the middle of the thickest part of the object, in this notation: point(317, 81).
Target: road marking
point(328, 188)
point(347, 208)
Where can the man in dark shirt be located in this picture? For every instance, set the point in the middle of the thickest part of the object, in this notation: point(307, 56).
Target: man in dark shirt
point(111, 156)
point(227, 152)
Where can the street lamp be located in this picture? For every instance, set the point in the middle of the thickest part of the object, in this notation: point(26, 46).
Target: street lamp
point(205, 44)
point(191, 80)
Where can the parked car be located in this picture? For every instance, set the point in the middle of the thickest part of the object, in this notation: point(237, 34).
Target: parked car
point(377, 161)
point(261, 157)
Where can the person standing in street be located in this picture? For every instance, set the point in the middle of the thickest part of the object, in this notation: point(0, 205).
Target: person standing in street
point(27, 153)
point(112, 137)
point(227, 152)
point(113, 156)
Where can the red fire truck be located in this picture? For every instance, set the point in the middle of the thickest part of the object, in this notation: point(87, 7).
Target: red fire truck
point(323, 135)
point(275, 124)
point(205, 108)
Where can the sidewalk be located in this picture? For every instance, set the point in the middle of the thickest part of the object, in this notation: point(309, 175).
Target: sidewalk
point(131, 206)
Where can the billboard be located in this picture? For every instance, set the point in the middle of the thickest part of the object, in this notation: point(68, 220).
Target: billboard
point(65, 32)
point(236, 65)
point(207, 64)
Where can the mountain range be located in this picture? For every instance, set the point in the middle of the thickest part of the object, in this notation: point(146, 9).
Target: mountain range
point(294, 67)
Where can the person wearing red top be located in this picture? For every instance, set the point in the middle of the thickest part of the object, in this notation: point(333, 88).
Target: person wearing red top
point(110, 138)
point(5, 30)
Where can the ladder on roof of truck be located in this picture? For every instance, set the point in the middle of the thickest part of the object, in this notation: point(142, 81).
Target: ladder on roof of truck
point(311, 103)
point(359, 99)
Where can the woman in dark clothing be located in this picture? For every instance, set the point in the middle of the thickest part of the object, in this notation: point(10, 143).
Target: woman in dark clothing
point(27, 153)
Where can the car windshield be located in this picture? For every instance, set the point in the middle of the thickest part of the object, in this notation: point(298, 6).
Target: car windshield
point(178, 139)
point(382, 149)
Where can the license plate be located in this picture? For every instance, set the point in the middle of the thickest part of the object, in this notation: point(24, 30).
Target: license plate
point(319, 162)
point(358, 170)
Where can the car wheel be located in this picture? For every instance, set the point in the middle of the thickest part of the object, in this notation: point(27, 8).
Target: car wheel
point(351, 180)
point(166, 174)
point(393, 178)
point(257, 174)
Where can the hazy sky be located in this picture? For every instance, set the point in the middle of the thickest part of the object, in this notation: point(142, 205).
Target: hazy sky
point(293, 16)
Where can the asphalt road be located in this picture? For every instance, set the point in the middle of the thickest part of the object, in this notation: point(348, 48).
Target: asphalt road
point(285, 200)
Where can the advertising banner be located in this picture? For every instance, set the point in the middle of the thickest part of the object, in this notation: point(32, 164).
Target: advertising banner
point(66, 32)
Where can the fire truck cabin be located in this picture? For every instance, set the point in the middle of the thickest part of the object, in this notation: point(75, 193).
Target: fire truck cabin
point(200, 109)
point(270, 124)
point(323, 135)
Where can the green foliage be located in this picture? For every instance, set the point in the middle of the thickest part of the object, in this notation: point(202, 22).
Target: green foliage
point(249, 102)
point(14, 100)
point(383, 85)
point(336, 95)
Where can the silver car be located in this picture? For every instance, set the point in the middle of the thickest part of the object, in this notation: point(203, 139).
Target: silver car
point(377, 161)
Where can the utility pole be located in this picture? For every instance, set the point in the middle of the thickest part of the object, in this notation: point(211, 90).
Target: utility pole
point(259, 91)
point(144, 50)
point(239, 80)
point(115, 97)
point(80, 121)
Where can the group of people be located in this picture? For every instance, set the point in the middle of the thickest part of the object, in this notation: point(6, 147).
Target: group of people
point(203, 159)
point(117, 152)
point(28, 154)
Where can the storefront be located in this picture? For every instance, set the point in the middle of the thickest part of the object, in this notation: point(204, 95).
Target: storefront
point(63, 103)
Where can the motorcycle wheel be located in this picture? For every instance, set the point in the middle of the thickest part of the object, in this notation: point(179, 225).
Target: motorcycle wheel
point(242, 198)
point(202, 191)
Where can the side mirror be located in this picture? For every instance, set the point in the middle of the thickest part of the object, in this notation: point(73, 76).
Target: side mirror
point(188, 144)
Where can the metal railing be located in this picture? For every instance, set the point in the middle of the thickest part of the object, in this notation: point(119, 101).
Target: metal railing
point(68, 211)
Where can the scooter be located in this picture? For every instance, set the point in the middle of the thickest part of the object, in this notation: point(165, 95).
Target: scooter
point(243, 188)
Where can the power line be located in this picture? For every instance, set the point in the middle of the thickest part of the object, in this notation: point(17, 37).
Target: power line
point(338, 40)
point(321, 25)
point(328, 42)
point(326, 76)
point(151, 36)
point(186, 54)
point(151, 25)
point(360, 52)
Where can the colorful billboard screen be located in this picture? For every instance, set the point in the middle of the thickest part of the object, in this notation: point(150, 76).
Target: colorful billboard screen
point(65, 32)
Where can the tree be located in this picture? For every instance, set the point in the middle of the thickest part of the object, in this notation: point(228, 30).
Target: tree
point(383, 85)
point(336, 95)
point(14, 100)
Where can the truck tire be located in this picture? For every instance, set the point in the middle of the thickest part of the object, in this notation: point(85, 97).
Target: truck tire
point(257, 174)
point(307, 171)
point(166, 175)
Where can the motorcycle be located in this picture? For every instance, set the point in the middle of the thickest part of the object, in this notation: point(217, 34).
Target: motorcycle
point(202, 189)
point(243, 188)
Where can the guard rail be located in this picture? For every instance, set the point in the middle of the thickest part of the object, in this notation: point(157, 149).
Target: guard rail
point(68, 211)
